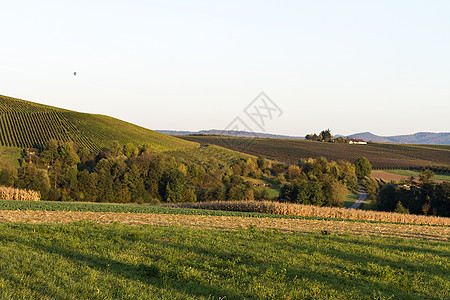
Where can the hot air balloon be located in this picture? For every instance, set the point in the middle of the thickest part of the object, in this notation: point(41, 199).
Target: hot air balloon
point(74, 73)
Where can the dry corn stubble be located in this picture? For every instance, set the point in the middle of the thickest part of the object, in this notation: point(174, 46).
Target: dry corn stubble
point(316, 211)
point(8, 193)
point(233, 223)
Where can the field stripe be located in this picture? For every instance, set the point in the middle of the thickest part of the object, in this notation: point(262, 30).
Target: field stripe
point(232, 223)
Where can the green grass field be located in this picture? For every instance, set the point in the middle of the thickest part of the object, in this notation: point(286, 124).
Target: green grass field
point(291, 151)
point(417, 173)
point(350, 199)
point(91, 261)
point(210, 157)
point(11, 155)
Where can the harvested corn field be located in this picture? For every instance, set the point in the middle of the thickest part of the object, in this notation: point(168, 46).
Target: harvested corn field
point(9, 193)
point(233, 223)
point(278, 208)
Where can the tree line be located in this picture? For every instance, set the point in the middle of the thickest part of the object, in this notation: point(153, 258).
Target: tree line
point(424, 196)
point(62, 171)
point(326, 136)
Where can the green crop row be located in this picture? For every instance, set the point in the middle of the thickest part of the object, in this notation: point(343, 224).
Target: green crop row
point(26, 124)
point(34, 129)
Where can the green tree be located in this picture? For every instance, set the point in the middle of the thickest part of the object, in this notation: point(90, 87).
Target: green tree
point(175, 186)
point(401, 209)
point(311, 192)
point(386, 200)
point(134, 182)
point(50, 153)
point(338, 193)
point(372, 187)
point(34, 179)
point(8, 175)
point(68, 154)
point(363, 167)
point(425, 176)
point(236, 192)
point(326, 135)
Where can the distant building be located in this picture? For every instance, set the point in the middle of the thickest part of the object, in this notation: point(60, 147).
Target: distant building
point(357, 141)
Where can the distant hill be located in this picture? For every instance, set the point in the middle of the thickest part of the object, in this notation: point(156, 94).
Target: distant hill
point(235, 133)
point(26, 124)
point(442, 138)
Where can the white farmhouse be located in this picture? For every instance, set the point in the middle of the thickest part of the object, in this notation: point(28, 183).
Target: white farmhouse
point(357, 141)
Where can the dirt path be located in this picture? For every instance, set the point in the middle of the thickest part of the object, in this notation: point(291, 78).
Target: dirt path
point(361, 199)
point(232, 223)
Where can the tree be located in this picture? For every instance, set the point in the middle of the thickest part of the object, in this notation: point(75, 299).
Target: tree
point(68, 155)
point(387, 198)
point(34, 179)
point(326, 135)
point(134, 182)
point(338, 193)
point(263, 163)
point(50, 152)
point(348, 175)
point(363, 167)
point(236, 192)
point(175, 187)
point(401, 209)
point(7, 174)
point(440, 203)
point(372, 187)
point(319, 167)
point(310, 192)
point(425, 176)
point(294, 172)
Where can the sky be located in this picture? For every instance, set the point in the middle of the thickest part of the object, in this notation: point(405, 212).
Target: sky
point(351, 66)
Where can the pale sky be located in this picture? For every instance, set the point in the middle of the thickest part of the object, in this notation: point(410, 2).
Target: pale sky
point(351, 66)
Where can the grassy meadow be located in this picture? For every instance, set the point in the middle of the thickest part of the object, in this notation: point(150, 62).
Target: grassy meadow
point(11, 155)
point(92, 261)
point(350, 199)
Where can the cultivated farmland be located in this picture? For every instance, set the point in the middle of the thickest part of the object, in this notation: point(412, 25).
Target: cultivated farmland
point(98, 256)
point(291, 151)
point(25, 124)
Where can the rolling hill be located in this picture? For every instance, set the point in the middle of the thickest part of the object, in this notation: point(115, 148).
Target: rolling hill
point(26, 124)
point(291, 151)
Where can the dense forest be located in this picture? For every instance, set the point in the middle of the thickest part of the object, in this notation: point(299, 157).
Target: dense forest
point(422, 197)
point(62, 171)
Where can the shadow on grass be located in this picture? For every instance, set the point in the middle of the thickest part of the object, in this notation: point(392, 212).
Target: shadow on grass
point(138, 272)
point(242, 250)
point(399, 265)
point(345, 284)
